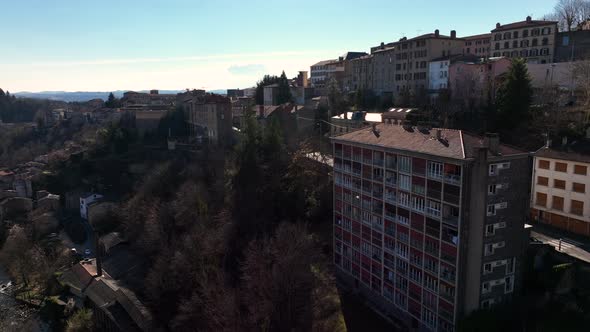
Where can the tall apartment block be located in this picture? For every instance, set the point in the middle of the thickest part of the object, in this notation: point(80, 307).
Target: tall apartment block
point(429, 223)
point(560, 186)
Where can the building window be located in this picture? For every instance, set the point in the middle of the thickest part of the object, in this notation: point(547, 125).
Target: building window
point(509, 284)
point(510, 265)
point(497, 46)
point(490, 230)
point(493, 170)
point(542, 181)
point(560, 167)
point(486, 288)
point(535, 32)
point(579, 187)
point(506, 35)
point(515, 34)
point(541, 199)
point(506, 45)
point(535, 42)
point(577, 208)
point(525, 33)
point(491, 210)
point(559, 184)
point(544, 164)
point(492, 189)
point(580, 170)
point(557, 203)
point(515, 44)
point(565, 41)
point(487, 268)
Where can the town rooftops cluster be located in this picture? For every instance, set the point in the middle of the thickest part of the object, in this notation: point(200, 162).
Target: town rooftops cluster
point(448, 143)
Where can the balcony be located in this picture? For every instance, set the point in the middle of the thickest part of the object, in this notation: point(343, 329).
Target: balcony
point(390, 198)
point(434, 175)
point(451, 198)
point(417, 189)
point(378, 162)
point(451, 220)
point(453, 178)
point(357, 157)
point(390, 231)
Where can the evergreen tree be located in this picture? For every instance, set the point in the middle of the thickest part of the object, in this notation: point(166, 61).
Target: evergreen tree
point(515, 96)
point(111, 102)
point(284, 90)
point(266, 80)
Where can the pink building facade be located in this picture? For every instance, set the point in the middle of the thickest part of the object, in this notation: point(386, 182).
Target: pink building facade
point(476, 83)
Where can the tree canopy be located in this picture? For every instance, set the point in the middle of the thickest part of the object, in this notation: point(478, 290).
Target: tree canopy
point(514, 96)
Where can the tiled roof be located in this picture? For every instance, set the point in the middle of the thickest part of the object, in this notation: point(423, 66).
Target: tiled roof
point(482, 36)
point(455, 144)
point(431, 36)
point(523, 24)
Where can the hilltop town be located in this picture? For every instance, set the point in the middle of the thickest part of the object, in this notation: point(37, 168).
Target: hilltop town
point(438, 182)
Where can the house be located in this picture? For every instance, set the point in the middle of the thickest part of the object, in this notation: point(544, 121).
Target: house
point(429, 223)
point(560, 186)
point(105, 287)
point(210, 117)
point(351, 121)
point(271, 94)
point(86, 199)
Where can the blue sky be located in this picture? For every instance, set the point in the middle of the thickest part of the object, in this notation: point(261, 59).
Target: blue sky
point(175, 44)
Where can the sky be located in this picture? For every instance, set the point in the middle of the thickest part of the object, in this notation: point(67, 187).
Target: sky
point(73, 45)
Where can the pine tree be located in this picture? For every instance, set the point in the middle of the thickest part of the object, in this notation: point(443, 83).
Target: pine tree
point(514, 96)
point(284, 90)
point(111, 101)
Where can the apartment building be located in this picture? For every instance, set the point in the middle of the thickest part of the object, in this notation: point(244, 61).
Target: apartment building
point(210, 117)
point(572, 46)
point(560, 187)
point(438, 70)
point(323, 70)
point(429, 223)
point(478, 45)
point(383, 70)
point(530, 39)
point(403, 65)
point(359, 75)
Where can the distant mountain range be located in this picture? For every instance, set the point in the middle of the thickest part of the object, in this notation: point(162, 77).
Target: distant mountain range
point(82, 96)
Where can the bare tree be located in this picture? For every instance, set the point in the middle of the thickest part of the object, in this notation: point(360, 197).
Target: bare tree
point(570, 13)
point(581, 78)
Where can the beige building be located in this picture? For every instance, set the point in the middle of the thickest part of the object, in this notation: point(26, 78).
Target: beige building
point(478, 45)
point(530, 39)
point(403, 65)
point(560, 187)
point(359, 74)
point(210, 117)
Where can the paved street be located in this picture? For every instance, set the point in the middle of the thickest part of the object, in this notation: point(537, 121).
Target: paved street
point(578, 248)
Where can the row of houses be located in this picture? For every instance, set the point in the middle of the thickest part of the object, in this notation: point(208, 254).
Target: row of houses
point(431, 224)
point(423, 64)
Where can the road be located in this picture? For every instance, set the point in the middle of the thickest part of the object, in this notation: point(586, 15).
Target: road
point(88, 244)
point(563, 243)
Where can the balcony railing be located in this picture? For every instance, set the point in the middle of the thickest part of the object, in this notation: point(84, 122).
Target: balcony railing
point(434, 175)
point(451, 220)
point(453, 178)
point(450, 198)
point(378, 162)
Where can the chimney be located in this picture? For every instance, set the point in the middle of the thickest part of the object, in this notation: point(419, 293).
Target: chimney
point(564, 141)
point(453, 34)
point(438, 134)
point(492, 142)
point(340, 58)
point(436, 33)
point(382, 45)
point(98, 253)
point(498, 25)
point(529, 19)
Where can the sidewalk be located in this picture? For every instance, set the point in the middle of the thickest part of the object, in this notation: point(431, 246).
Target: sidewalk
point(571, 244)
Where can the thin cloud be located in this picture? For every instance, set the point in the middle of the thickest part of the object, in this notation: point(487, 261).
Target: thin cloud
point(247, 69)
point(237, 56)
